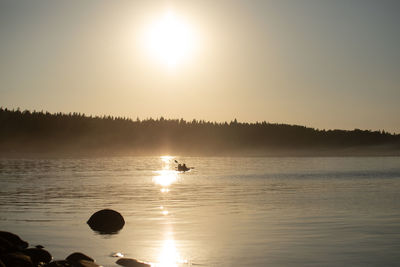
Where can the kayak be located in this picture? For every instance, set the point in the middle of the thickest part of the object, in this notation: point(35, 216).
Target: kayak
point(183, 169)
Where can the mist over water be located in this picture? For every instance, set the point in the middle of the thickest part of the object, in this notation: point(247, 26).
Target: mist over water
point(225, 212)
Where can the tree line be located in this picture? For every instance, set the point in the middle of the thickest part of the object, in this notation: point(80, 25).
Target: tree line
point(41, 132)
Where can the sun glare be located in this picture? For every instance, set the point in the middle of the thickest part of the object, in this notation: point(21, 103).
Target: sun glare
point(165, 178)
point(170, 39)
point(169, 256)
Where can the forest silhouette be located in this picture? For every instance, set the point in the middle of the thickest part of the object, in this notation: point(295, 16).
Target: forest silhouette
point(75, 133)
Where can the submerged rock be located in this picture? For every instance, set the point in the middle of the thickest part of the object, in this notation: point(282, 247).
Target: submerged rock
point(106, 221)
point(117, 255)
point(127, 262)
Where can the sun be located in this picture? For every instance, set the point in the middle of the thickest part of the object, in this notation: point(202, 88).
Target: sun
point(170, 39)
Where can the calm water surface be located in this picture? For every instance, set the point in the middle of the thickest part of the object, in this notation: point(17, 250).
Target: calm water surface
point(225, 212)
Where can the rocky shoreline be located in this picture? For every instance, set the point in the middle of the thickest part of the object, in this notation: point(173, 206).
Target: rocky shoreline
point(15, 252)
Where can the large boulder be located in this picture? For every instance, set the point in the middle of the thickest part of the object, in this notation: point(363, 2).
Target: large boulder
point(106, 221)
point(127, 262)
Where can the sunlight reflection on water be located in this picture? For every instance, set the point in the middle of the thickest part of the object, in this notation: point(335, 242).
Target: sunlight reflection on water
point(169, 256)
point(168, 253)
point(165, 177)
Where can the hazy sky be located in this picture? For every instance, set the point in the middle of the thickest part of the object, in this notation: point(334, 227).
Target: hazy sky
point(324, 64)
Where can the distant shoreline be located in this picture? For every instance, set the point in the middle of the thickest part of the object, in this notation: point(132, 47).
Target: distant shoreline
point(42, 134)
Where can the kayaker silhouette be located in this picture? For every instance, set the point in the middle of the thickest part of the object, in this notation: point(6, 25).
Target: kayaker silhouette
point(182, 167)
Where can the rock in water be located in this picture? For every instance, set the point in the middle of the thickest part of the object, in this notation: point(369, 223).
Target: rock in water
point(83, 263)
point(106, 221)
point(77, 256)
point(80, 263)
point(38, 255)
point(16, 259)
point(78, 259)
point(15, 240)
point(6, 246)
point(62, 263)
point(131, 263)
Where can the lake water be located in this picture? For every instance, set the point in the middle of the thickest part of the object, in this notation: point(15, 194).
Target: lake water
point(225, 212)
